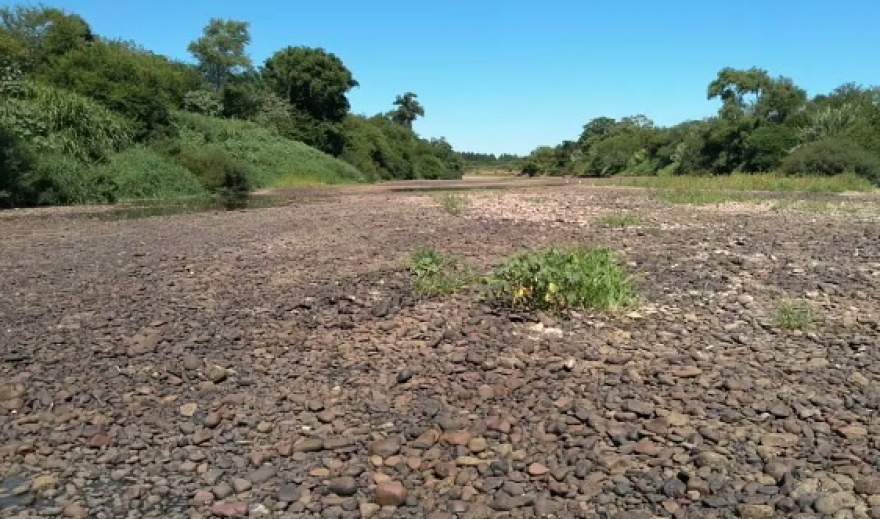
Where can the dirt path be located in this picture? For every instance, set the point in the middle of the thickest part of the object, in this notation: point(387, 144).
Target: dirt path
point(275, 363)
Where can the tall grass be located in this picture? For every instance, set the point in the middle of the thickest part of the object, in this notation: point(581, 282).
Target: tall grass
point(453, 203)
point(747, 182)
point(272, 160)
point(55, 120)
point(143, 174)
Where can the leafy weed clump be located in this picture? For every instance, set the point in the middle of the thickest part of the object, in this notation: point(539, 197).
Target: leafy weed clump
point(559, 280)
point(619, 221)
point(794, 314)
point(437, 274)
point(454, 203)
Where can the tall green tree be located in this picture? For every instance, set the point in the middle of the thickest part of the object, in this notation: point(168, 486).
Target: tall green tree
point(314, 81)
point(408, 110)
point(753, 92)
point(221, 50)
point(141, 85)
point(32, 36)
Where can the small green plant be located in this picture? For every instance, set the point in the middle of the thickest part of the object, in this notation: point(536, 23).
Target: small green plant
point(794, 314)
point(559, 280)
point(454, 203)
point(436, 274)
point(619, 221)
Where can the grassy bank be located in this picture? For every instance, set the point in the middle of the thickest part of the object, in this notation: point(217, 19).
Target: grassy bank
point(271, 160)
point(757, 182)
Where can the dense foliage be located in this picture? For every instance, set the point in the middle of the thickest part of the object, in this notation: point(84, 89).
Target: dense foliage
point(560, 280)
point(87, 119)
point(764, 124)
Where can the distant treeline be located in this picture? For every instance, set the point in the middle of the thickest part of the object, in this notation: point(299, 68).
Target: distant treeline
point(88, 119)
point(764, 124)
point(472, 156)
point(473, 160)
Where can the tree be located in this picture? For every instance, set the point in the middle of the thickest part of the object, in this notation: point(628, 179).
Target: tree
point(34, 35)
point(138, 84)
point(221, 50)
point(596, 129)
point(408, 110)
point(770, 99)
point(313, 81)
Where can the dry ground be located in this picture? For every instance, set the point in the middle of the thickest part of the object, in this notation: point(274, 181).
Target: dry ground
point(275, 362)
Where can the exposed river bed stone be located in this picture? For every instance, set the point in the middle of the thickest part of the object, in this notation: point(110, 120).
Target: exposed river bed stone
point(276, 363)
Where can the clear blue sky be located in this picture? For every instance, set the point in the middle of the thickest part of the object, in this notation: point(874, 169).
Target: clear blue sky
point(506, 76)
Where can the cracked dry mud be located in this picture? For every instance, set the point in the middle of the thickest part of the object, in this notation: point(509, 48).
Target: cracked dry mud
point(276, 363)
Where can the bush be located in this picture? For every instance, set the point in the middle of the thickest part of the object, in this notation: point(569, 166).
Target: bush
point(236, 187)
point(559, 280)
point(385, 150)
point(767, 146)
point(453, 203)
point(138, 84)
point(531, 168)
point(56, 179)
point(59, 121)
point(832, 157)
point(140, 173)
point(211, 165)
point(792, 314)
point(273, 160)
point(203, 102)
point(16, 160)
point(436, 274)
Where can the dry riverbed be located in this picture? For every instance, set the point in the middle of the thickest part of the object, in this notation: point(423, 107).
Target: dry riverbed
point(275, 363)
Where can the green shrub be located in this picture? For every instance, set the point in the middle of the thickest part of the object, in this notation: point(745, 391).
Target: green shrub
point(618, 221)
point(767, 146)
point(16, 160)
point(436, 274)
point(272, 160)
point(832, 157)
point(57, 179)
point(55, 120)
point(531, 168)
point(559, 280)
point(142, 86)
point(203, 101)
point(792, 314)
point(140, 173)
point(453, 203)
point(385, 150)
point(235, 188)
point(211, 165)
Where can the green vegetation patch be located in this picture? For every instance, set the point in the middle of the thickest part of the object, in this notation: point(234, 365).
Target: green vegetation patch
point(143, 174)
point(845, 182)
point(453, 203)
point(57, 121)
point(619, 221)
point(698, 197)
point(272, 160)
point(438, 274)
point(559, 280)
point(794, 314)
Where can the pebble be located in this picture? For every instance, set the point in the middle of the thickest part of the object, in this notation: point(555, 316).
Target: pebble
point(390, 493)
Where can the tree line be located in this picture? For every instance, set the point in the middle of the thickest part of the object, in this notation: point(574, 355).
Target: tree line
point(85, 118)
point(764, 124)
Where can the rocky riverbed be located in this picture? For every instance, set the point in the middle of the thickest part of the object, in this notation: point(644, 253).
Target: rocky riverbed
point(276, 363)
